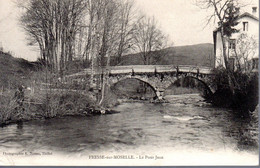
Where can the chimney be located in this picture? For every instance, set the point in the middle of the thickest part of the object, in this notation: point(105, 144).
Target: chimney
point(254, 10)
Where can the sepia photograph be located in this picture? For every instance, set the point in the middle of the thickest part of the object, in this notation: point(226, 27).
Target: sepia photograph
point(129, 82)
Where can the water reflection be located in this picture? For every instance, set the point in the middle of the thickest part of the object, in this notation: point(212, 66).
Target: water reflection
point(19, 125)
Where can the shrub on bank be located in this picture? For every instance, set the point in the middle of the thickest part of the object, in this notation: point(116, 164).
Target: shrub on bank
point(67, 103)
point(6, 106)
point(245, 95)
point(43, 104)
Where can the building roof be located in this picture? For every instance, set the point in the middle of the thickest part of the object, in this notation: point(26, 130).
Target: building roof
point(248, 15)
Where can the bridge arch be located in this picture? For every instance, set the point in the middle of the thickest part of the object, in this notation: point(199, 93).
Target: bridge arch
point(145, 80)
point(159, 85)
point(207, 91)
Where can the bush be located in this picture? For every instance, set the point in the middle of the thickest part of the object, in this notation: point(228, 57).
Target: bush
point(245, 95)
point(6, 104)
point(68, 103)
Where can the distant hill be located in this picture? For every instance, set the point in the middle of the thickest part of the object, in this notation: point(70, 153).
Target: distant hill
point(13, 71)
point(200, 54)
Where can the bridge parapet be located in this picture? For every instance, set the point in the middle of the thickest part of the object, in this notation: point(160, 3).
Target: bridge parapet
point(142, 69)
point(159, 69)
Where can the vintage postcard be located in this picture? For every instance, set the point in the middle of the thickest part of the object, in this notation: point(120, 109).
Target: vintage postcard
point(129, 82)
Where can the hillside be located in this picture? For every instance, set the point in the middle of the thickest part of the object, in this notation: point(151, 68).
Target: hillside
point(13, 71)
point(200, 54)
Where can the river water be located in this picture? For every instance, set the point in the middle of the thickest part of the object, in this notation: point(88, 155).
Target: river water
point(185, 131)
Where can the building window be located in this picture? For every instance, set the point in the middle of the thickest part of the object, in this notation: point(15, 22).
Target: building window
point(245, 26)
point(232, 44)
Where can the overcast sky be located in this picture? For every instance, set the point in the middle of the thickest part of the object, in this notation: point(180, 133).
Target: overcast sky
point(180, 19)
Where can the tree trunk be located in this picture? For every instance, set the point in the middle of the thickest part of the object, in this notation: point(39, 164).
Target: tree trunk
point(231, 78)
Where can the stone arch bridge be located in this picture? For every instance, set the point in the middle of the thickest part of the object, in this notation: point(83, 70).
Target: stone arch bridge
point(159, 77)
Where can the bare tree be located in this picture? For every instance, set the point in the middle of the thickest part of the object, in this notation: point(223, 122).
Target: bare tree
point(127, 17)
point(246, 48)
point(110, 28)
point(107, 40)
point(53, 24)
point(108, 24)
point(148, 38)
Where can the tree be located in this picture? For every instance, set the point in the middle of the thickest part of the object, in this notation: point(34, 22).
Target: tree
point(53, 24)
point(109, 27)
point(122, 18)
point(246, 48)
point(148, 38)
point(102, 37)
point(231, 20)
point(226, 12)
point(126, 28)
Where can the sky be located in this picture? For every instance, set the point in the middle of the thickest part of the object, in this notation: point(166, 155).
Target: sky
point(181, 20)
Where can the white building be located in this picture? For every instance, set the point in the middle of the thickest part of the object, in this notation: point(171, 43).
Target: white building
point(248, 26)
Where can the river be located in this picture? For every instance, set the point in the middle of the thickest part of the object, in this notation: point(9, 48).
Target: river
point(185, 131)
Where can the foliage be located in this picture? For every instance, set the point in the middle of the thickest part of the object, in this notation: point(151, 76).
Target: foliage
point(61, 103)
point(244, 98)
point(220, 78)
point(230, 20)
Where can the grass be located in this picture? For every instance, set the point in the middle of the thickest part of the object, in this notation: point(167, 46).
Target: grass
point(43, 104)
point(6, 105)
point(14, 71)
